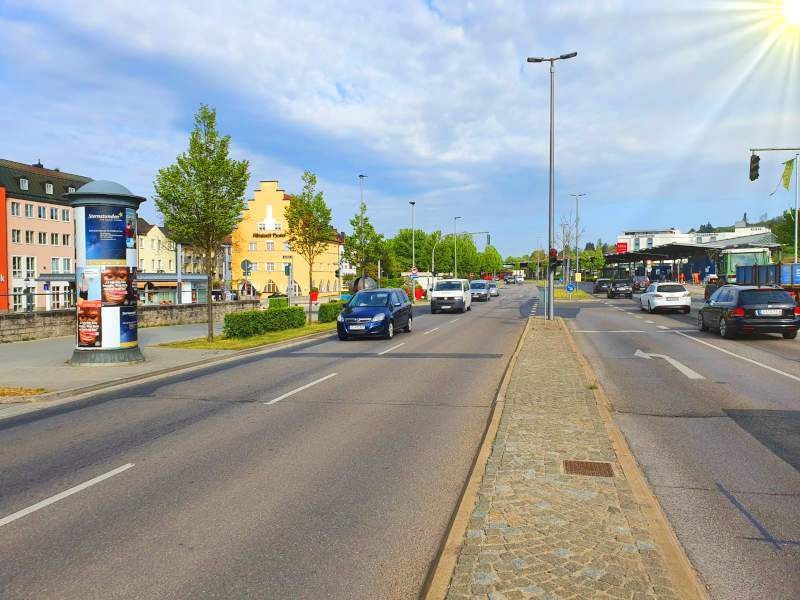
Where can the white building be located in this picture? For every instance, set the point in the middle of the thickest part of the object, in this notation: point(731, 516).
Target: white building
point(642, 239)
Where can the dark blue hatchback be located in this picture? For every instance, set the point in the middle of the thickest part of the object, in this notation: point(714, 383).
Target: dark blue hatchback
point(375, 313)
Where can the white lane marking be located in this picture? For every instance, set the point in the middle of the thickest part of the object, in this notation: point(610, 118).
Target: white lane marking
point(430, 331)
point(300, 389)
point(638, 316)
point(60, 496)
point(678, 365)
point(454, 320)
point(653, 322)
point(750, 360)
point(608, 331)
point(662, 326)
point(390, 349)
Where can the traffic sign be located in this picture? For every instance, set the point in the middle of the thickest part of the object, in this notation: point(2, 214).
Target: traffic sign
point(246, 265)
point(570, 288)
point(414, 270)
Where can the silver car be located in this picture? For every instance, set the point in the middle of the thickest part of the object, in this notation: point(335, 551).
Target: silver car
point(493, 290)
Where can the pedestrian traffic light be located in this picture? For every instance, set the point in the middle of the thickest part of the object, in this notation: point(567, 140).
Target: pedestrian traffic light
point(554, 263)
point(754, 160)
point(286, 269)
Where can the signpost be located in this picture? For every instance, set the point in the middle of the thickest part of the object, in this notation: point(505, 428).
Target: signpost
point(570, 289)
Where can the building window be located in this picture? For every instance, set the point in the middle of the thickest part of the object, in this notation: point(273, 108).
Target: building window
point(41, 212)
point(16, 236)
point(16, 266)
point(55, 265)
point(153, 264)
point(271, 287)
point(16, 295)
point(251, 247)
point(65, 212)
point(48, 188)
point(30, 266)
point(713, 238)
point(277, 226)
point(286, 247)
point(23, 183)
point(15, 209)
point(55, 297)
point(255, 266)
point(28, 237)
point(42, 238)
point(270, 267)
point(152, 244)
point(270, 246)
point(54, 239)
point(649, 242)
point(66, 265)
point(262, 226)
point(159, 265)
point(636, 243)
point(65, 239)
point(54, 214)
point(141, 264)
point(29, 211)
point(170, 265)
point(70, 189)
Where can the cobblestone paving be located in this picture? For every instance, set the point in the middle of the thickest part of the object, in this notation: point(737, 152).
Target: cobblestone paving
point(536, 532)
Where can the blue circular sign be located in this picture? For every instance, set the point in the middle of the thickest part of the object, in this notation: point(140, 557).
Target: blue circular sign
point(570, 287)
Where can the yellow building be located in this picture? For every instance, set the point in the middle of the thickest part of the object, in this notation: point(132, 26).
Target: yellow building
point(260, 238)
point(156, 250)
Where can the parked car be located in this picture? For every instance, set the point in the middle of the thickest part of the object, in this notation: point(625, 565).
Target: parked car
point(451, 294)
point(640, 283)
point(375, 313)
point(510, 279)
point(601, 285)
point(668, 296)
point(493, 289)
point(479, 290)
point(519, 279)
point(620, 288)
point(736, 309)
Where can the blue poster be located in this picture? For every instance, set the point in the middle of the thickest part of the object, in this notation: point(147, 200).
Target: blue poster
point(105, 235)
point(127, 326)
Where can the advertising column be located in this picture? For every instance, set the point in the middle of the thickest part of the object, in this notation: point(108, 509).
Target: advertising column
point(106, 260)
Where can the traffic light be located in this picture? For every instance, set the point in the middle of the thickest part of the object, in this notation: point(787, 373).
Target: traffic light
point(754, 160)
point(286, 268)
point(554, 263)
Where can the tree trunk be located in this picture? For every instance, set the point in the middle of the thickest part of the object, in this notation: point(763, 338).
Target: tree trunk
point(209, 304)
point(310, 285)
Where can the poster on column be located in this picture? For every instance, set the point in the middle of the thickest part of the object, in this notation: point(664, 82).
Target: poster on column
point(88, 279)
point(110, 327)
point(118, 286)
point(131, 236)
point(127, 327)
point(105, 236)
point(89, 324)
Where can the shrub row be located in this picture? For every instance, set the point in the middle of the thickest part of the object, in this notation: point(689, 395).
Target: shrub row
point(248, 323)
point(278, 302)
point(329, 311)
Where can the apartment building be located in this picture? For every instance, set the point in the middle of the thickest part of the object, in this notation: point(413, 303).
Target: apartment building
point(37, 246)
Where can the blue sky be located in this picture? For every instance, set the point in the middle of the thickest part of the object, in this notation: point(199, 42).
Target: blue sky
point(432, 100)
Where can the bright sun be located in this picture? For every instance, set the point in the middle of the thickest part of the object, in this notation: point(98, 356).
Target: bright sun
point(791, 12)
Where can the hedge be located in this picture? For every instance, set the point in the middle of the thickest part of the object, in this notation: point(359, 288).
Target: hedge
point(329, 311)
point(248, 323)
point(278, 302)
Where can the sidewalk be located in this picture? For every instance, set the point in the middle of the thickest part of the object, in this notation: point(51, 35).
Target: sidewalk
point(536, 532)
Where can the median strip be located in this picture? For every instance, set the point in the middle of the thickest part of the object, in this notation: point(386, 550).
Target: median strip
point(300, 389)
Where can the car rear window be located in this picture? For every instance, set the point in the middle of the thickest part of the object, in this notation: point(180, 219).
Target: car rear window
point(671, 288)
point(765, 297)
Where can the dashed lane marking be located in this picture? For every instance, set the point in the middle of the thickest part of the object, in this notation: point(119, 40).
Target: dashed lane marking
point(651, 322)
point(390, 349)
point(300, 389)
point(430, 331)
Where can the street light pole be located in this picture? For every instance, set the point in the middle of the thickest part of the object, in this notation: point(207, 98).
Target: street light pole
point(577, 233)
point(455, 248)
point(361, 179)
point(551, 230)
point(413, 253)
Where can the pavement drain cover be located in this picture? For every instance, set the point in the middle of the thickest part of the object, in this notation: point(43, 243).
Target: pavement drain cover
point(587, 467)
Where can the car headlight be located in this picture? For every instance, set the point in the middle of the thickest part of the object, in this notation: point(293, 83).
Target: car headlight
point(340, 318)
point(379, 317)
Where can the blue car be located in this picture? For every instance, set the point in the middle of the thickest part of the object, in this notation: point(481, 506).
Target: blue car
point(375, 313)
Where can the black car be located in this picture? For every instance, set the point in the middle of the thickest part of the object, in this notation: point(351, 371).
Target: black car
point(375, 313)
point(620, 289)
point(735, 309)
point(601, 285)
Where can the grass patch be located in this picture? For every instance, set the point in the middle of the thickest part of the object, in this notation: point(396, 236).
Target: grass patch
point(19, 392)
point(223, 343)
point(561, 294)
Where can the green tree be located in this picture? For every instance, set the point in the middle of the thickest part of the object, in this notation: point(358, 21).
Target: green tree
point(364, 246)
point(783, 228)
point(201, 196)
point(309, 223)
point(490, 260)
point(402, 247)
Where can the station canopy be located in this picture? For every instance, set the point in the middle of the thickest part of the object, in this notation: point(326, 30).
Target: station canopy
point(688, 251)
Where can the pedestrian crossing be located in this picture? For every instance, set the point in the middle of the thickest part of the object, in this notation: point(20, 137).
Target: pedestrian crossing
point(534, 306)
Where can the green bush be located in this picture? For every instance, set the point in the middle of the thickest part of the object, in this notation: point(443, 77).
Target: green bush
point(278, 302)
point(329, 311)
point(248, 323)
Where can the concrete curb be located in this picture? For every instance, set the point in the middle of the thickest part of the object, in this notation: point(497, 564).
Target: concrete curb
point(437, 583)
point(62, 397)
point(685, 577)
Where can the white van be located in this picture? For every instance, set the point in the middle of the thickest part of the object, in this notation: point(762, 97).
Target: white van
point(451, 294)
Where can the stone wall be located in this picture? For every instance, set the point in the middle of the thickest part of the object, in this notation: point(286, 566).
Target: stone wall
point(15, 327)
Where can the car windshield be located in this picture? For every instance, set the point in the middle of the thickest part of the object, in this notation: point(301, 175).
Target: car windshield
point(492, 285)
point(448, 285)
point(370, 298)
point(478, 285)
point(671, 288)
point(765, 297)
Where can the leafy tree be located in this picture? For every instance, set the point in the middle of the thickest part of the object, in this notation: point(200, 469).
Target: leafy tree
point(490, 260)
point(707, 228)
point(309, 225)
point(402, 247)
point(589, 247)
point(364, 246)
point(201, 196)
point(783, 228)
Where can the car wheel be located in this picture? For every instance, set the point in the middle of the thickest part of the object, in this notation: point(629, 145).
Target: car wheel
point(468, 308)
point(389, 331)
point(408, 325)
point(433, 311)
point(344, 337)
point(789, 335)
point(724, 330)
point(687, 310)
point(701, 322)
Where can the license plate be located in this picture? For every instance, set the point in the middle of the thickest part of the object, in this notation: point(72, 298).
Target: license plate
point(445, 306)
point(672, 299)
point(769, 312)
point(357, 327)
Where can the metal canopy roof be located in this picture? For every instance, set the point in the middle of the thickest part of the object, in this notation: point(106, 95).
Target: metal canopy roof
point(676, 251)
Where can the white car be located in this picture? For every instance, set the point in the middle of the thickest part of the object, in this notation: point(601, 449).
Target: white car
point(520, 279)
point(666, 296)
point(451, 294)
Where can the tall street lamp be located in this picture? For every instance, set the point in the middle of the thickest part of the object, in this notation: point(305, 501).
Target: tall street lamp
point(361, 179)
point(577, 233)
point(455, 248)
point(551, 231)
point(413, 253)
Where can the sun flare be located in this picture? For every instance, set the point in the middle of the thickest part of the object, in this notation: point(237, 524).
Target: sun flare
point(791, 12)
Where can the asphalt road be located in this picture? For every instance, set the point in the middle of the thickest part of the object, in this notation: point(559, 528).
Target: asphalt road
point(326, 470)
point(717, 434)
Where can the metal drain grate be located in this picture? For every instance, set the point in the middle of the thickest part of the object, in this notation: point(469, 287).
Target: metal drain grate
point(590, 468)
